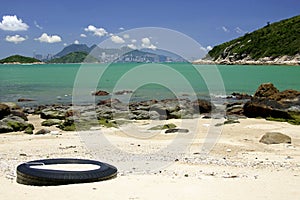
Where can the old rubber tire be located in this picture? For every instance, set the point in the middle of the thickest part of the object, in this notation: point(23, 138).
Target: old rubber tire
point(45, 177)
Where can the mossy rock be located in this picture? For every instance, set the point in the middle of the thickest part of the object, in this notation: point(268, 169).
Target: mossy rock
point(163, 127)
point(295, 118)
point(29, 129)
point(51, 122)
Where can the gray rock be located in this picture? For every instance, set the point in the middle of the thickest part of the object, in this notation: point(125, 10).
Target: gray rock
point(42, 132)
point(50, 113)
point(275, 138)
point(19, 113)
point(4, 128)
point(16, 123)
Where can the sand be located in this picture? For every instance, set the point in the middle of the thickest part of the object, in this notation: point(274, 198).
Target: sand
point(154, 166)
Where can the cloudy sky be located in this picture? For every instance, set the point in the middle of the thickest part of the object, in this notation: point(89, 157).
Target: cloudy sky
point(35, 26)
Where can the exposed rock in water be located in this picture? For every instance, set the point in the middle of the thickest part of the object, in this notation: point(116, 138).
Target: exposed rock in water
point(25, 100)
point(123, 92)
point(275, 138)
point(266, 90)
point(100, 93)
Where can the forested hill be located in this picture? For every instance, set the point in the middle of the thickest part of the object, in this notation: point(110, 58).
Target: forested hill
point(274, 41)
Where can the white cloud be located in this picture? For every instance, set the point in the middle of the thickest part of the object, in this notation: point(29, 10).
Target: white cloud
point(225, 29)
point(133, 41)
point(239, 30)
point(65, 44)
point(76, 42)
point(131, 46)
point(96, 31)
point(12, 23)
point(15, 39)
point(209, 48)
point(37, 25)
point(49, 38)
point(146, 43)
point(121, 28)
point(82, 35)
point(126, 36)
point(116, 39)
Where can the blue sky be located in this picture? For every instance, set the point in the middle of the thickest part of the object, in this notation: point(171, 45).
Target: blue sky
point(47, 26)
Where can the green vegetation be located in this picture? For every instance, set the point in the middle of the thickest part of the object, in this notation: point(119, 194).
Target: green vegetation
point(75, 57)
point(19, 59)
point(273, 40)
point(295, 119)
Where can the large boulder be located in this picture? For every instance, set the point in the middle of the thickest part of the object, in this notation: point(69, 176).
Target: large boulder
point(51, 113)
point(15, 123)
point(275, 138)
point(266, 90)
point(202, 106)
point(4, 110)
point(265, 108)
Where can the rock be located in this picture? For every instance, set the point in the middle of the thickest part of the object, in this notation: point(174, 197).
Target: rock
point(12, 106)
point(100, 93)
point(266, 90)
point(4, 110)
point(162, 127)
point(202, 106)
point(177, 130)
point(239, 96)
point(51, 113)
point(265, 108)
point(286, 96)
point(25, 100)
point(19, 113)
point(16, 123)
point(275, 138)
point(123, 92)
point(109, 102)
point(235, 109)
point(4, 128)
point(29, 129)
point(51, 122)
point(42, 132)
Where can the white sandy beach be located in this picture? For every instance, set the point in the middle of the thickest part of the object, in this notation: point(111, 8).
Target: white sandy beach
point(238, 167)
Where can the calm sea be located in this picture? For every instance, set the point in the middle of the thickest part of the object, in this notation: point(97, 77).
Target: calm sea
point(57, 83)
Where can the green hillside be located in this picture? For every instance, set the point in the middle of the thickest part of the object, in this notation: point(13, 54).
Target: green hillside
point(273, 40)
point(19, 59)
point(75, 57)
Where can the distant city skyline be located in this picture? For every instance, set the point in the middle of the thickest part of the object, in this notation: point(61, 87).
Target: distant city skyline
point(46, 27)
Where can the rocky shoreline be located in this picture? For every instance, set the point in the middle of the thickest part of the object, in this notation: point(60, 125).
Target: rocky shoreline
point(267, 102)
point(233, 60)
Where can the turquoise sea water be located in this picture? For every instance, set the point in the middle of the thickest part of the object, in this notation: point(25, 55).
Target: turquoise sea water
point(55, 83)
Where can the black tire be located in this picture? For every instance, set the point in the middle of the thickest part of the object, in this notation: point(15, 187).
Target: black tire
point(45, 177)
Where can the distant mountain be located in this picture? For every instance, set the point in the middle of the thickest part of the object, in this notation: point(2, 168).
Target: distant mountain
point(73, 48)
point(19, 59)
point(169, 55)
point(75, 57)
point(141, 56)
point(280, 40)
point(106, 55)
